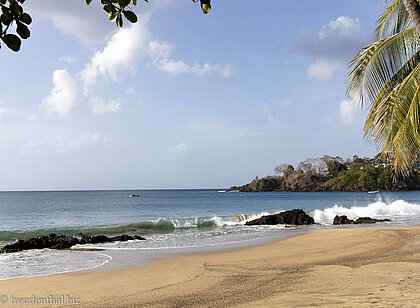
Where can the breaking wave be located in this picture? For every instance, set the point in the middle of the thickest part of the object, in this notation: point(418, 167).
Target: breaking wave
point(161, 225)
point(379, 209)
point(397, 211)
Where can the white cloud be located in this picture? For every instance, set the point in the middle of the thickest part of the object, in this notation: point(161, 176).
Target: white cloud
point(343, 26)
point(348, 112)
point(323, 69)
point(333, 46)
point(67, 95)
point(114, 62)
point(66, 145)
point(118, 58)
point(179, 151)
point(160, 52)
point(67, 59)
point(160, 49)
point(64, 96)
point(178, 68)
point(98, 105)
point(88, 23)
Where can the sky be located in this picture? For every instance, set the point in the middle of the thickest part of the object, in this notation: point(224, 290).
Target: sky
point(179, 99)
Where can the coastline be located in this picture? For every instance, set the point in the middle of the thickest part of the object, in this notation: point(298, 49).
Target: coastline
point(327, 267)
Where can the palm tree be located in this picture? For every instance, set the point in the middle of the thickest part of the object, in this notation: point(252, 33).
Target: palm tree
point(386, 76)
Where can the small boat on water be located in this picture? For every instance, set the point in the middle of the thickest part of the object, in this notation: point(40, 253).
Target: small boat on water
point(134, 195)
point(373, 192)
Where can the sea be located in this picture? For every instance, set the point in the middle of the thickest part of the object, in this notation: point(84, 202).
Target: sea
point(172, 221)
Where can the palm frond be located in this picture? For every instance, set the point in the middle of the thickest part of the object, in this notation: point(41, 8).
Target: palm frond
point(375, 65)
point(393, 122)
point(393, 20)
point(382, 109)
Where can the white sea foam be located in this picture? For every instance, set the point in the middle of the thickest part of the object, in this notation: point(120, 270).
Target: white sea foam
point(379, 209)
point(42, 262)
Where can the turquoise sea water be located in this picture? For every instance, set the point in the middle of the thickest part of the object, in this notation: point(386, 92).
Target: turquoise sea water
point(172, 219)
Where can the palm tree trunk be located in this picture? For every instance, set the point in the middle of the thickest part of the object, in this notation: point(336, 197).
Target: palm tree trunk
point(413, 8)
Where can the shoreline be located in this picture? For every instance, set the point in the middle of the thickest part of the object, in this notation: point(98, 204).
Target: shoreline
point(321, 267)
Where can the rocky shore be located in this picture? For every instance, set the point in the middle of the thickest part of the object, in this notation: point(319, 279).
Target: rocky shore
point(299, 217)
point(343, 220)
point(293, 217)
point(54, 241)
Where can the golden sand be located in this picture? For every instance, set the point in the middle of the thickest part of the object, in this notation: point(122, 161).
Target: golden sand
point(357, 267)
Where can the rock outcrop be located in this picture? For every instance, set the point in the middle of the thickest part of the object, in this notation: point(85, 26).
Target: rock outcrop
point(55, 241)
point(343, 220)
point(293, 217)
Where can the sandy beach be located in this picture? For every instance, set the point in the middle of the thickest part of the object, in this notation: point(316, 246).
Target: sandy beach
point(377, 267)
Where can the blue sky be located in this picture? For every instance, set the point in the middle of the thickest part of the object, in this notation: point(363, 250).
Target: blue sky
point(180, 99)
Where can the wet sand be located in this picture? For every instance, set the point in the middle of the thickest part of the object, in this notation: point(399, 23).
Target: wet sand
point(375, 267)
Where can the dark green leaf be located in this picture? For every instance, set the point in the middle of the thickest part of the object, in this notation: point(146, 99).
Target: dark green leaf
point(123, 3)
point(15, 8)
point(3, 1)
point(130, 16)
point(6, 11)
point(25, 18)
point(12, 41)
point(109, 8)
point(6, 19)
point(88, 2)
point(22, 30)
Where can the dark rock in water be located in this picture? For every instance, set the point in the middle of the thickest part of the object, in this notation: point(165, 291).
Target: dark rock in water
point(293, 217)
point(368, 220)
point(343, 220)
point(55, 241)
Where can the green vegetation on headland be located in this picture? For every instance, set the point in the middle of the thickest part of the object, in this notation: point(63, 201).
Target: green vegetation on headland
point(334, 174)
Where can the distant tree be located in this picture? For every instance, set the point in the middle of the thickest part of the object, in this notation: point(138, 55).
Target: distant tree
point(318, 166)
point(281, 169)
point(305, 165)
point(334, 164)
point(313, 165)
point(290, 169)
point(384, 178)
point(12, 13)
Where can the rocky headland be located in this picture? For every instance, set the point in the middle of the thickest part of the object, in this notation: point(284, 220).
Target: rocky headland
point(334, 174)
